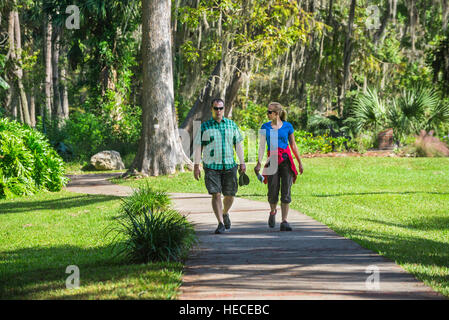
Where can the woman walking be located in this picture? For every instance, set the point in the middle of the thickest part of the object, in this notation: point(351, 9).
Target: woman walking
point(279, 137)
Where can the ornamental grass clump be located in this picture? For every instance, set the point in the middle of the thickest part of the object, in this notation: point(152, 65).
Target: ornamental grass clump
point(157, 234)
point(144, 199)
point(28, 163)
point(426, 145)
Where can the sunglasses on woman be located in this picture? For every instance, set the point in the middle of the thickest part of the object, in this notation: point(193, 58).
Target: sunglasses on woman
point(270, 112)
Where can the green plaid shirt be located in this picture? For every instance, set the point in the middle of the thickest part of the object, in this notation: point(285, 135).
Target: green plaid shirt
point(218, 141)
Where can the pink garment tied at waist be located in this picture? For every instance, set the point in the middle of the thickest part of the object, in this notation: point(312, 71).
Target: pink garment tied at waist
point(280, 153)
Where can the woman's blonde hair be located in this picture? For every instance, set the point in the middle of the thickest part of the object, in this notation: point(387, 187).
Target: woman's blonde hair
point(279, 109)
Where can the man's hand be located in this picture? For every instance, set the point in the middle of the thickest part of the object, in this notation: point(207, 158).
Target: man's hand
point(257, 168)
point(242, 168)
point(197, 172)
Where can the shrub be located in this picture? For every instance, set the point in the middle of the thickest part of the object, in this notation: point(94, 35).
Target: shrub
point(144, 199)
point(84, 134)
point(252, 117)
point(426, 145)
point(412, 109)
point(445, 139)
point(159, 234)
point(27, 161)
point(363, 142)
point(308, 143)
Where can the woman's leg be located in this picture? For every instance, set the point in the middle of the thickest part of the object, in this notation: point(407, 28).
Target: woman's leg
point(284, 208)
point(273, 196)
point(273, 184)
point(286, 176)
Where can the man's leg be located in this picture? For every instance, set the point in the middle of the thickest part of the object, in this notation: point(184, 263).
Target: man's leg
point(217, 206)
point(230, 187)
point(227, 204)
point(212, 180)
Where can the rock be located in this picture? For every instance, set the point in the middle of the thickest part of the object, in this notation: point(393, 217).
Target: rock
point(107, 160)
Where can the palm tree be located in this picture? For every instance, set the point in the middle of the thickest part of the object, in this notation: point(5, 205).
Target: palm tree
point(416, 109)
point(368, 112)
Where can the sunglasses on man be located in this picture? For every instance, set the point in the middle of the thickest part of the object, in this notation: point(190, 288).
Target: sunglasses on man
point(218, 108)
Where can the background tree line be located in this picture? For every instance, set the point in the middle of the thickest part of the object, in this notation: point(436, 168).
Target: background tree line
point(322, 59)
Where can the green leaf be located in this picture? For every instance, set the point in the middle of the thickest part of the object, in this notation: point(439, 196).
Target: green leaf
point(4, 84)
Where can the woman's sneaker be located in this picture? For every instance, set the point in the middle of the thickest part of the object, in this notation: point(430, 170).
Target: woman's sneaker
point(285, 226)
point(227, 221)
point(272, 219)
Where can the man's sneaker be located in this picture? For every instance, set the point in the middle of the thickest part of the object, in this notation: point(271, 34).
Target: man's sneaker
point(272, 220)
point(285, 226)
point(220, 228)
point(227, 221)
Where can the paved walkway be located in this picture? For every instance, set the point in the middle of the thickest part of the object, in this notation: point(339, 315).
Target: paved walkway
point(252, 261)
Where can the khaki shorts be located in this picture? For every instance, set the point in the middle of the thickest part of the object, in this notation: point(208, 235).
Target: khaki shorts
point(221, 181)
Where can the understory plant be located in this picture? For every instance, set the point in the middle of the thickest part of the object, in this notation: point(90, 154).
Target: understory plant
point(144, 199)
point(426, 145)
point(151, 230)
point(308, 143)
point(407, 113)
point(28, 163)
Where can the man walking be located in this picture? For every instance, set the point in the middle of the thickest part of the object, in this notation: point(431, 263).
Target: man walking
point(216, 141)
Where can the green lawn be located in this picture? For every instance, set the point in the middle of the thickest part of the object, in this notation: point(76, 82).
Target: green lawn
point(398, 207)
point(40, 236)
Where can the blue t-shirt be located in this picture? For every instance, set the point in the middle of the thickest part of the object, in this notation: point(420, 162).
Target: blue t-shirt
point(282, 133)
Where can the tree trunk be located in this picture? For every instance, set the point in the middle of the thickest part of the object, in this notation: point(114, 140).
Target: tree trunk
point(17, 56)
point(224, 82)
point(347, 58)
point(412, 23)
point(201, 109)
point(160, 150)
point(445, 9)
point(11, 54)
point(380, 34)
point(63, 65)
point(234, 86)
point(64, 92)
point(57, 103)
point(15, 103)
point(32, 100)
point(48, 67)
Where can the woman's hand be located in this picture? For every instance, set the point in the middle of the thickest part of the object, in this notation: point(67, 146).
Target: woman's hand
point(301, 169)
